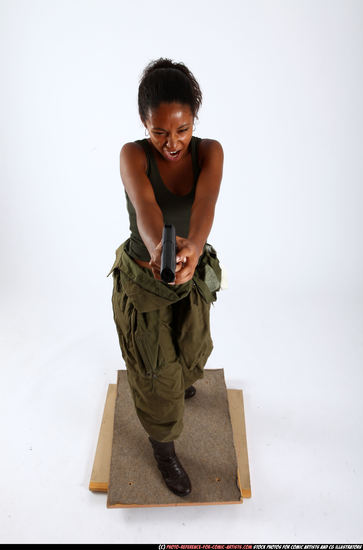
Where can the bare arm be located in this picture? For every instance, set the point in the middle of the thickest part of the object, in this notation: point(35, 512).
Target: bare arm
point(206, 195)
point(149, 217)
point(203, 208)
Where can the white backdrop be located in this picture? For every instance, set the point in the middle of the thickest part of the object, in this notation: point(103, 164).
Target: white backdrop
point(282, 85)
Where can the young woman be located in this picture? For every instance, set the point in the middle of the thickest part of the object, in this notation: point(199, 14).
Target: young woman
point(163, 328)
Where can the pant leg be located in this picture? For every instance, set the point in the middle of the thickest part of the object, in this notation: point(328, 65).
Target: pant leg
point(191, 330)
point(157, 385)
point(165, 351)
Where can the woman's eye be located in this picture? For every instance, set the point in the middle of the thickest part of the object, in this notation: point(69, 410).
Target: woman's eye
point(161, 133)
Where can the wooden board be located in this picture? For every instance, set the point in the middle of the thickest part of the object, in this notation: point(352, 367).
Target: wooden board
point(101, 468)
point(237, 412)
point(101, 465)
point(205, 448)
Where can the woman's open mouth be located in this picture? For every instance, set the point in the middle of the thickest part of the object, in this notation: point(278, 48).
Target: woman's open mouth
point(172, 155)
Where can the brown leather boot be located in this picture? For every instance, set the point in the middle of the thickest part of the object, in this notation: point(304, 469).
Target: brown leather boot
point(172, 471)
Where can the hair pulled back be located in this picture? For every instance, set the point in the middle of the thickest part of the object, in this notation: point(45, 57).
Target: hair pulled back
point(163, 80)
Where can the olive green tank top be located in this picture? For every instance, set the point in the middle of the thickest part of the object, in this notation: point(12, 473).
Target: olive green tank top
point(176, 209)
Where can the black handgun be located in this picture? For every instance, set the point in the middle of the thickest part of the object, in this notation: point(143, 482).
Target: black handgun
point(168, 254)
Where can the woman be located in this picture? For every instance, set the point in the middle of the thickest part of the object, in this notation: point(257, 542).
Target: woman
point(164, 332)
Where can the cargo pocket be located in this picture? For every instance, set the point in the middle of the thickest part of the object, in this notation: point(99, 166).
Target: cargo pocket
point(145, 336)
point(193, 334)
point(191, 363)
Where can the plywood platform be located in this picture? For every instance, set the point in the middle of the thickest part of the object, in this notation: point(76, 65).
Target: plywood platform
point(213, 450)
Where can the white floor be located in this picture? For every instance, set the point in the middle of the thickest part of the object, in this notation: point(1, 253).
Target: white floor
point(298, 360)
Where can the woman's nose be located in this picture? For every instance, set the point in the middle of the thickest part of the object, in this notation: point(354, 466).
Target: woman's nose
point(171, 142)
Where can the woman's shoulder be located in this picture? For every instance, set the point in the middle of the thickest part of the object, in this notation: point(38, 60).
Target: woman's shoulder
point(209, 147)
point(138, 146)
point(207, 143)
point(135, 152)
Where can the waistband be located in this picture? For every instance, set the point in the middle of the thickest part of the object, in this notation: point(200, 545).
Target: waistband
point(206, 278)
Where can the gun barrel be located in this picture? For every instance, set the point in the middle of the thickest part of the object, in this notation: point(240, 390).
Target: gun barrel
point(168, 254)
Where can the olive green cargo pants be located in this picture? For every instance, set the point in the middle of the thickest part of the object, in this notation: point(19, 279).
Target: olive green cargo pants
point(164, 336)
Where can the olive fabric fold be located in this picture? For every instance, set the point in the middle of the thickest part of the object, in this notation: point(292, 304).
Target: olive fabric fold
point(207, 278)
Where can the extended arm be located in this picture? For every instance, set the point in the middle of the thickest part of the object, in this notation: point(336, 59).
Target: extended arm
point(149, 217)
point(202, 214)
point(206, 195)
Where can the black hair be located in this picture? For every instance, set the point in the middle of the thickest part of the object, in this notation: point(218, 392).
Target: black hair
point(163, 80)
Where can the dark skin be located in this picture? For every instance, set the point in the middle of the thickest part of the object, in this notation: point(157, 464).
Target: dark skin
point(171, 128)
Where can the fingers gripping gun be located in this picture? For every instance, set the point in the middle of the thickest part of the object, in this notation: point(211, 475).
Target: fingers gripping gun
point(168, 254)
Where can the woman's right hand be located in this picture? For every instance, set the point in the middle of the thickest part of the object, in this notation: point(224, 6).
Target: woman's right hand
point(155, 262)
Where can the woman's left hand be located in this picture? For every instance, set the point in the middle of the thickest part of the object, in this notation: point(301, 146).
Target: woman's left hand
point(187, 258)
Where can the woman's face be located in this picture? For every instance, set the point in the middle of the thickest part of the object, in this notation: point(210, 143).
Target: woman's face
point(171, 127)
